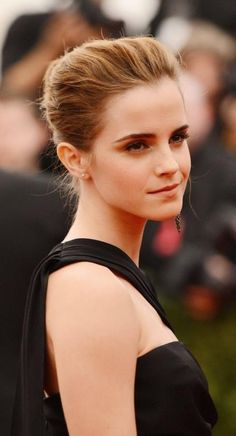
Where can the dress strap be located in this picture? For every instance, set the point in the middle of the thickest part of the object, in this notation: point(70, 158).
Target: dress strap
point(117, 261)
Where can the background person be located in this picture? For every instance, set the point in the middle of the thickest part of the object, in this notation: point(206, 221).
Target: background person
point(23, 136)
point(33, 219)
point(32, 41)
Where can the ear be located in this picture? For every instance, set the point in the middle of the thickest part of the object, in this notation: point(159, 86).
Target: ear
point(76, 161)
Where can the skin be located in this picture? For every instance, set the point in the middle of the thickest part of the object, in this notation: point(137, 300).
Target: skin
point(63, 30)
point(119, 180)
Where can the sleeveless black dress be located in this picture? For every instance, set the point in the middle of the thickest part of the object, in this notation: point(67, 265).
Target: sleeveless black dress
point(171, 391)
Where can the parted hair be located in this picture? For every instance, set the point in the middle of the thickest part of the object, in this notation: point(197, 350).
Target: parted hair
point(78, 85)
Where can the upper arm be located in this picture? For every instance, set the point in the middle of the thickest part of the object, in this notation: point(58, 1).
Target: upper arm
point(94, 332)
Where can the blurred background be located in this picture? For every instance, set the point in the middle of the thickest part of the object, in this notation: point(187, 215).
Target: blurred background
point(194, 272)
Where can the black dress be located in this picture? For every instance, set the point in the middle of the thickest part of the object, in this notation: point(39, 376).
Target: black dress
point(171, 391)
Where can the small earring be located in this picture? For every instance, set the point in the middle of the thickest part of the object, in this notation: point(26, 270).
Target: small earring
point(178, 223)
point(83, 175)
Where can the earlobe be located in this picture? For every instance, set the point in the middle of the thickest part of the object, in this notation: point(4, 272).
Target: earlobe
point(73, 159)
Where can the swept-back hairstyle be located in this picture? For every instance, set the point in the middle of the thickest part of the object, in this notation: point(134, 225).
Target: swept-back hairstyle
point(78, 85)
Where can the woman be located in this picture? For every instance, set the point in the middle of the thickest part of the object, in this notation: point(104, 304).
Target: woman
point(113, 364)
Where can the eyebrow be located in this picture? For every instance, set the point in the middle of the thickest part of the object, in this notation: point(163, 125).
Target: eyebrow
point(149, 135)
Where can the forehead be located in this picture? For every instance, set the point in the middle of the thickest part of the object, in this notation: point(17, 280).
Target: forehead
point(157, 106)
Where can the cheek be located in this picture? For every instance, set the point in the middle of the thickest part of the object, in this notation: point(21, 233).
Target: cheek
point(124, 174)
point(127, 181)
point(185, 162)
point(120, 181)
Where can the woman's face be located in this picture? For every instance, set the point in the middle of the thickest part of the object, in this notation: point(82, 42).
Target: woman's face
point(140, 161)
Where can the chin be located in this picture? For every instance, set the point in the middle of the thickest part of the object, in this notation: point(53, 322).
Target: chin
point(166, 213)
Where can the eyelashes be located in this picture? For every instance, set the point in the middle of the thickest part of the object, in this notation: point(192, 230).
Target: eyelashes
point(141, 145)
point(137, 146)
point(179, 137)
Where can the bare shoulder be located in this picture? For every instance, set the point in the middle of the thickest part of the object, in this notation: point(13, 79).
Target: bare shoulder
point(86, 280)
point(88, 291)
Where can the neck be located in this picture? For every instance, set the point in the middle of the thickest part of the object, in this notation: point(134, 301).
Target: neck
point(109, 225)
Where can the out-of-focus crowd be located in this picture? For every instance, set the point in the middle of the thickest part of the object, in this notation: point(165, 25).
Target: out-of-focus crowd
point(199, 264)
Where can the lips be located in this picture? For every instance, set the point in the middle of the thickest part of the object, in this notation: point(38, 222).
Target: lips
point(166, 188)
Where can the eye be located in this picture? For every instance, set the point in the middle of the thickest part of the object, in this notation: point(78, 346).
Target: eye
point(178, 138)
point(136, 146)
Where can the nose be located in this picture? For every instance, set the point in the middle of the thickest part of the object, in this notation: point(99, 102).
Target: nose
point(166, 162)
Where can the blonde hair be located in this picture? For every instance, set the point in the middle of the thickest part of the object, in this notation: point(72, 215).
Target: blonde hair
point(78, 85)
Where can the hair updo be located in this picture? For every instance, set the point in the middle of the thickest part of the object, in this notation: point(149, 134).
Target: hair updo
point(78, 85)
